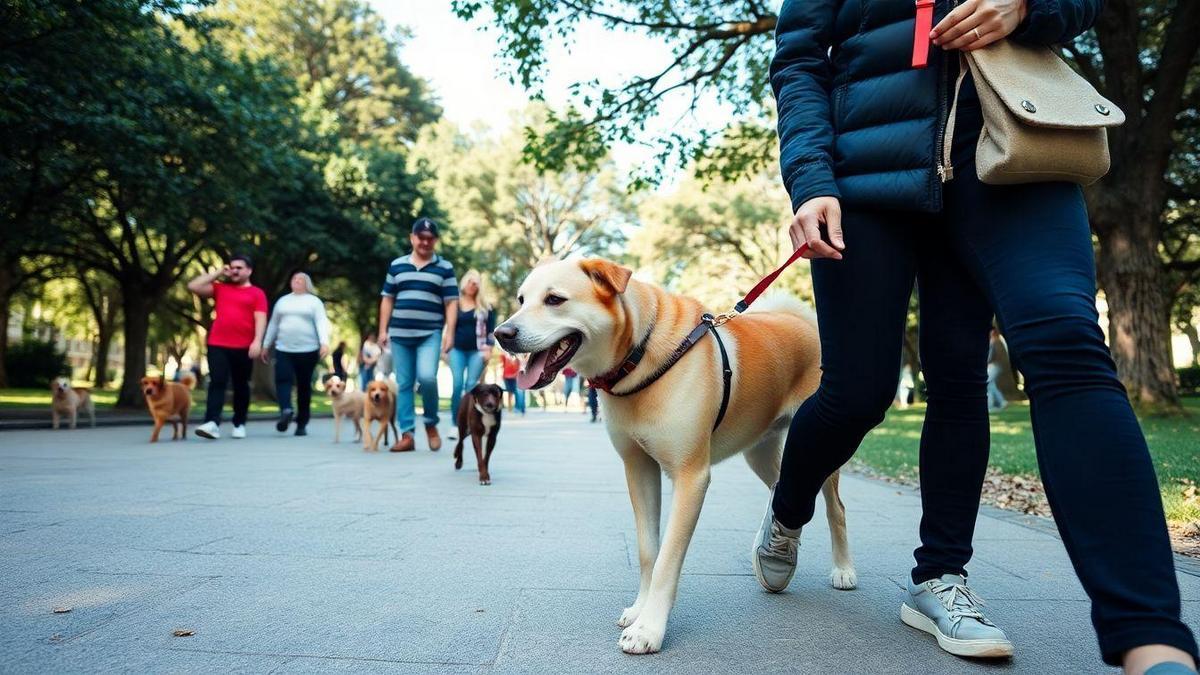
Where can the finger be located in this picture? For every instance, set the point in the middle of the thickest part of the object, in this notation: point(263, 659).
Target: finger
point(961, 33)
point(833, 225)
point(972, 35)
point(985, 40)
point(812, 235)
point(951, 20)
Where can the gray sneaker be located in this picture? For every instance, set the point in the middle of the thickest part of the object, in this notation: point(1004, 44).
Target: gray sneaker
point(950, 611)
point(774, 554)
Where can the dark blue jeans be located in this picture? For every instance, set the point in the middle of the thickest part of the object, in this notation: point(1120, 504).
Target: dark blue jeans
point(295, 368)
point(1023, 252)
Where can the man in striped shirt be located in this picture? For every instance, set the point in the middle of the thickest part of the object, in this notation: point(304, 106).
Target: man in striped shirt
point(417, 316)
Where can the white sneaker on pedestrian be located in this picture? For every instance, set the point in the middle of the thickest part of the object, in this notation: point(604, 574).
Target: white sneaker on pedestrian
point(209, 430)
point(239, 431)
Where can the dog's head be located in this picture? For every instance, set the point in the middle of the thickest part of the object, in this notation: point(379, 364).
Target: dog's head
point(153, 386)
point(488, 397)
point(570, 310)
point(334, 386)
point(378, 392)
point(59, 386)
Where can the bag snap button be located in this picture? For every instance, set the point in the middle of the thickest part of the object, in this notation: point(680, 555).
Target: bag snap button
point(1102, 109)
point(1028, 106)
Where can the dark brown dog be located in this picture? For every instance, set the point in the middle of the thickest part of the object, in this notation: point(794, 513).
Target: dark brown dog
point(169, 402)
point(479, 416)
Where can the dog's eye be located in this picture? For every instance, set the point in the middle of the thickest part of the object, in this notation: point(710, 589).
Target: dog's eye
point(520, 299)
point(555, 300)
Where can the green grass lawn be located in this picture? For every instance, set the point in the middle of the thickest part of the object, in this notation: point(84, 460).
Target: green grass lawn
point(892, 449)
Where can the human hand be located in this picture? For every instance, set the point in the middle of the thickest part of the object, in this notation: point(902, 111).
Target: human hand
point(256, 351)
point(487, 354)
point(323, 351)
point(978, 23)
point(384, 343)
point(806, 228)
point(447, 343)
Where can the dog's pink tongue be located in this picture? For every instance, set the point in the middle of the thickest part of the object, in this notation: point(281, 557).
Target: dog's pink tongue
point(532, 372)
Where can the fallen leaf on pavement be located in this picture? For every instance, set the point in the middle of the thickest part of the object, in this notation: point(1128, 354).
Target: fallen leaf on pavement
point(183, 632)
point(61, 610)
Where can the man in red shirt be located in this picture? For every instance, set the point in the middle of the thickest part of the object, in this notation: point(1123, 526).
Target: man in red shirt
point(234, 340)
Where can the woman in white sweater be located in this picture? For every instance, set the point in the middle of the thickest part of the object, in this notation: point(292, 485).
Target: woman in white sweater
point(299, 331)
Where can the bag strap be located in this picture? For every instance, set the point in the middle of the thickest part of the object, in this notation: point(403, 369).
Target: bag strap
point(946, 170)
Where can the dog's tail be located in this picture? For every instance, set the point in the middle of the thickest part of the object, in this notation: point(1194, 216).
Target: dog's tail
point(784, 303)
point(188, 380)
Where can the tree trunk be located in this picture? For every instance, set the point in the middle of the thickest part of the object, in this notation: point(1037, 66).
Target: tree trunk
point(103, 346)
point(1139, 322)
point(1193, 336)
point(136, 305)
point(5, 315)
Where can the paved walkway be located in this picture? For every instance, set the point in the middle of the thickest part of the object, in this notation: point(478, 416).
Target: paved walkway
point(295, 555)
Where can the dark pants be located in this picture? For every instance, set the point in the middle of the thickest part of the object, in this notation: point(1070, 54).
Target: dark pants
point(226, 364)
point(1024, 252)
point(593, 402)
point(295, 367)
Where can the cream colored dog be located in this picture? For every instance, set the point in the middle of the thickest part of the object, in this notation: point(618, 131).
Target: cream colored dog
point(67, 401)
point(347, 404)
point(589, 314)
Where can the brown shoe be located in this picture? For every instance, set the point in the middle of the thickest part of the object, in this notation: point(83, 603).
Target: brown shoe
point(404, 444)
point(435, 441)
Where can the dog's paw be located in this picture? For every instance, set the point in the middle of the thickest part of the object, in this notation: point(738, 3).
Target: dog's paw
point(485, 481)
point(629, 616)
point(641, 639)
point(843, 578)
point(457, 463)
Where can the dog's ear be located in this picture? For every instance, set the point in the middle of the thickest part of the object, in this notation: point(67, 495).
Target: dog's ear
point(607, 274)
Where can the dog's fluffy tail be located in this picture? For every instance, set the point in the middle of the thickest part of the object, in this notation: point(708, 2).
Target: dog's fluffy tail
point(785, 303)
point(188, 380)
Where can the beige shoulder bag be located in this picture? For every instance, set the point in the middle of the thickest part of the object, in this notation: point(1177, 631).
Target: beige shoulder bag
point(1041, 120)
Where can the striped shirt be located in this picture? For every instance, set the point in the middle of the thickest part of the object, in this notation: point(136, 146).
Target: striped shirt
point(421, 296)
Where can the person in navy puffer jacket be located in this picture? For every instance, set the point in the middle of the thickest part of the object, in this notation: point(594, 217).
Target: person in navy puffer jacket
point(860, 132)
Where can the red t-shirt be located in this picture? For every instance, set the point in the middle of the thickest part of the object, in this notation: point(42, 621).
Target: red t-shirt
point(511, 366)
point(233, 325)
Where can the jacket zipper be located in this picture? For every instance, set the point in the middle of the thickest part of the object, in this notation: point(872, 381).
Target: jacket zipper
point(945, 171)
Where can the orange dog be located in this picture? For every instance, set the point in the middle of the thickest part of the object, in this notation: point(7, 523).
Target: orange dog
point(380, 405)
point(169, 401)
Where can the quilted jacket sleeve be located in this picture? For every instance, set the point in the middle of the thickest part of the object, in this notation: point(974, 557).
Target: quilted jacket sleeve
point(800, 78)
point(1049, 22)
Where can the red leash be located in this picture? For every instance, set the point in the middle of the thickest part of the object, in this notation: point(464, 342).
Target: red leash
point(762, 285)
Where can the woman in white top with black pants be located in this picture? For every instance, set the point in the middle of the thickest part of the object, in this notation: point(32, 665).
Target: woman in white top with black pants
point(299, 331)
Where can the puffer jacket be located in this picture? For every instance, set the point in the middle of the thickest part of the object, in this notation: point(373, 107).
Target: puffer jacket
point(856, 121)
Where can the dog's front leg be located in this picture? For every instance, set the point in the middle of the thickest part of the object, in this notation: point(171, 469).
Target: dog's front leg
point(842, 576)
point(484, 477)
point(645, 635)
point(54, 419)
point(644, 478)
point(337, 426)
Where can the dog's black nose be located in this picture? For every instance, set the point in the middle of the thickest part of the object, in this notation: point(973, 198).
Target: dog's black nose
point(505, 332)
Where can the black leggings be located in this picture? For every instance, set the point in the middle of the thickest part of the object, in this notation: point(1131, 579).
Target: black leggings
point(1025, 253)
point(225, 364)
point(295, 367)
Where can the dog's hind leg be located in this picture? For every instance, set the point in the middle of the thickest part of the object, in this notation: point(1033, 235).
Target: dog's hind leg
point(644, 477)
point(842, 576)
point(691, 480)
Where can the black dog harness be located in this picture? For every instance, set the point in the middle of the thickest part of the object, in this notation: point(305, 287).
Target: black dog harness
point(708, 324)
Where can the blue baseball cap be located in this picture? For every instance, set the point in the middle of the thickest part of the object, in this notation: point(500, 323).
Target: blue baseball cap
point(425, 226)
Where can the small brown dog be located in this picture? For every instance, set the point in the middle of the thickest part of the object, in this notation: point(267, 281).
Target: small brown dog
point(479, 416)
point(347, 404)
point(169, 402)
point(379, 405)
point(67, 401)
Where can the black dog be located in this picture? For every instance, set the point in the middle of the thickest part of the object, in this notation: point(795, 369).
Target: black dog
point(479, 416)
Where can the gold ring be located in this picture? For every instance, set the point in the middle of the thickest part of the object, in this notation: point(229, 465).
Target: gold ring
point(977, 35)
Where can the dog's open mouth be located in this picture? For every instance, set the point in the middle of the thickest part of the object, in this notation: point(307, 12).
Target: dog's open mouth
point(543, 366)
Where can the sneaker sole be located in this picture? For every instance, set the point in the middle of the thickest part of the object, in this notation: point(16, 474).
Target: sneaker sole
point(980, 649)
point(204, 434)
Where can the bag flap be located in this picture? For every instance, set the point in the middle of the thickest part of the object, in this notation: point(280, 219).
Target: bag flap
point(1040, 89)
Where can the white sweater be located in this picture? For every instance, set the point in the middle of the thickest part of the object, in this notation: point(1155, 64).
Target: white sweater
point(298, 324)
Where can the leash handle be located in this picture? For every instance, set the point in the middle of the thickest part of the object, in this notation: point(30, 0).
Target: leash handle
point(766, 281)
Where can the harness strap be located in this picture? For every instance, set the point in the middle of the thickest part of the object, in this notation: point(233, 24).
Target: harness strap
point(726, 371)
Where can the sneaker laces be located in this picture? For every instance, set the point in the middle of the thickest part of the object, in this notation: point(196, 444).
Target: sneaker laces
point(959, 600)
point(781, 545)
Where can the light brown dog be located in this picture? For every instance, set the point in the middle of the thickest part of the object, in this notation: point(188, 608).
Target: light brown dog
point(379, 405)
point(590, 314)
point(67, 401)
point(169, 402)
point(348, 404)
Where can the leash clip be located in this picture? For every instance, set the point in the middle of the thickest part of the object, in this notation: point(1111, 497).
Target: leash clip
point(720, 319)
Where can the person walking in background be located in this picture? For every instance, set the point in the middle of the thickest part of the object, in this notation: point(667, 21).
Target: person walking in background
point(368, 357)
point(881, 199)
point(234, 340)
point(516, 396)
point(593, 402)
point(570, 384)
point(299, 331)
point(473, 339)
point(339, 360)
point(905, 387)
point(996, 400)
point(418, 314)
